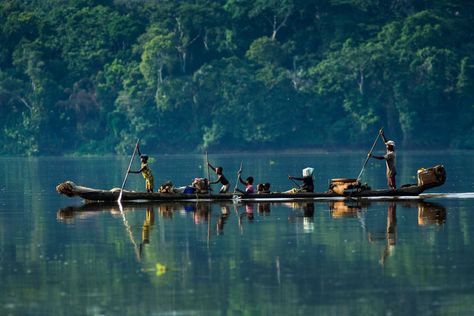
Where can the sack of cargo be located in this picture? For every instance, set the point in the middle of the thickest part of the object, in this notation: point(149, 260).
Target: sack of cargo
point(342, 184)
point(432, 175)
point(189, 190)
point(166, 187)
point(201, 185)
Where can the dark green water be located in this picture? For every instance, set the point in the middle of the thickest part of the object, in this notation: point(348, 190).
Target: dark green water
point(58, 257)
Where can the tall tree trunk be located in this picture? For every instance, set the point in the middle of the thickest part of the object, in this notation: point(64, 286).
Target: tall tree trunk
point(183, 61)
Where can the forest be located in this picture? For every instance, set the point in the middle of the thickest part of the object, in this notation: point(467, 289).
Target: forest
point(89, 77)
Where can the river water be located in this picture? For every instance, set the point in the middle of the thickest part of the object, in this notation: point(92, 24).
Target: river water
point(59, 256)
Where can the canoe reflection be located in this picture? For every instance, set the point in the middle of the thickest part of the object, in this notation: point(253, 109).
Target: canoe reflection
point(429, 213)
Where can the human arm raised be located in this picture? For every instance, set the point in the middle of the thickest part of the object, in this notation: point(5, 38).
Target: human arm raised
point(211, 166)
point(240, 179)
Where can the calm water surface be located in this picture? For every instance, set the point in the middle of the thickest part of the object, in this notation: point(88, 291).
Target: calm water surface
point(61, 257)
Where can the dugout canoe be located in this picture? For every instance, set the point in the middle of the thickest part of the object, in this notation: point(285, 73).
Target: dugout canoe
point(70, 189)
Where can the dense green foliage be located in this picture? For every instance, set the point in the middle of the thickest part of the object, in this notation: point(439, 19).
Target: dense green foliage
point(89, 76)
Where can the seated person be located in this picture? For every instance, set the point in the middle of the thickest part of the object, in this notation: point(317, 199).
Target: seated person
point(263, 188)
point(266, 187)
point(248, 184)
point(307, 179)
point(201, 185)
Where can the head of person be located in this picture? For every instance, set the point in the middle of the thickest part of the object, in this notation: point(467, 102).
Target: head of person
point(249, 180)
point(219, 170)
point(260, 187)
point(144, 158)
point(390, 145)
point(266, 186)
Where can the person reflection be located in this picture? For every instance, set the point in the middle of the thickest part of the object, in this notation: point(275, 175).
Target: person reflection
point(147, 226)
point(249, 211)
point(391, 234)
point(263, 209)
point(308, 210)
point(308, 214)
point(222, 219)
point(201, 214)
point(431, 214)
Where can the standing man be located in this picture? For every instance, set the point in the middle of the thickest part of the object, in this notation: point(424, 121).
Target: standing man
point(390, 159)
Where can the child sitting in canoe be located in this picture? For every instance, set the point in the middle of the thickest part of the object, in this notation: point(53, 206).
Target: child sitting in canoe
point(248, 184)
point(307, 179)
point(220, 178)
point(145, 171)
point(263, 187)
point(266, 188)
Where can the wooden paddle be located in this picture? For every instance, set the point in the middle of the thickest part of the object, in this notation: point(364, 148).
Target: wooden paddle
point(126, 174)
point(368, 156)
point(298, 185)
point(238, 173)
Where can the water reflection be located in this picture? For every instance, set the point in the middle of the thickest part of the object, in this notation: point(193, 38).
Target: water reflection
point(147, 226)
point(431, 214)
point(156, 244)
point(222, 219)
point(391, 232)
point(340, 209)
point(302, 211)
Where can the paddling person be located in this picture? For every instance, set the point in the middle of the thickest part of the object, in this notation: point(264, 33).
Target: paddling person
point(390, 159)
point(145, 171)
point(248, 184)
point(220, 178)
point(307, 179)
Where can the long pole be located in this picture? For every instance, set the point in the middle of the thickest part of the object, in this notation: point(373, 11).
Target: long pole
point(128, 169)
point(238, 173)
point(208, 174)
point(368, 156)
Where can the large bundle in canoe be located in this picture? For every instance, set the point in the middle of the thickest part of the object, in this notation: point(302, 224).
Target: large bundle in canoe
point(430, 178)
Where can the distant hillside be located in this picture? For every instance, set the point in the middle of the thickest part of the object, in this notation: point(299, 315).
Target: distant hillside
point(85, 76)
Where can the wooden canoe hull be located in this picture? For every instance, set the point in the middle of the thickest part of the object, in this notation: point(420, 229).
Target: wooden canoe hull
point(70, 189)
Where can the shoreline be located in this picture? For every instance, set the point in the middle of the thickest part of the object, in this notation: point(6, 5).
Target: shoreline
point(287, 152)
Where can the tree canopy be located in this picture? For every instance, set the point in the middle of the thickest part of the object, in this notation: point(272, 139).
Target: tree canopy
point(90, 76)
